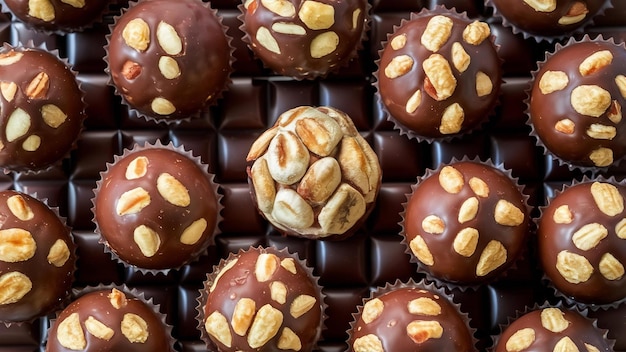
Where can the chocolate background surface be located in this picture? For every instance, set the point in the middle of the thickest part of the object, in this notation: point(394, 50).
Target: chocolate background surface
point(348, 269)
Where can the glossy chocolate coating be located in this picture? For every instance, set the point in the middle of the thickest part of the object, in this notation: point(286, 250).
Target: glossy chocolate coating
point(390, 327)
point(42, 144)
point(547, 109)
point(236, 278)
point(430, 198)
point(203, 61)
point(426, 119)
point(579, 330)
point(51, 281)
point(294, 55)
point(99, 305)
point(556, 235)
point(167, 219)
point(546, 23)
point(62, 16)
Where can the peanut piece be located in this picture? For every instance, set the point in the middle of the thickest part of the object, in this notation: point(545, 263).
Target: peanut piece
point(484, 86)
point(18, 207)
point(588, 236)
point(507, 214)
point(283, 8)
point(193, 233)
point(595, 62)
point(137, 168)
point(17, 125)
point(356, 15)
point(610, 267)
point(278, 292)
point(601, 157)
point(423, 330)
point(226, 267)
point(264, 188)
point(265, 267)
point(70, 333)
point(620, 229)
point(265, 326)
point(79, 4)
point(372, 309)
point(136, 34)
point(324, 44)
point(468, 210)
point(615, 112)
point(398, 42)
point(565, 344)
point(466, 241)
point(289, 264)
point(439, 77)
point(399, 66)
point(573, 267)
point(320, 134)
point(575, 14)
point(8, 90)
point(424, 306)
point(437, 33)
point(288, 340)
point(38, 86)
point(620, 81)
point(291, 210)
point(169, 67)
point(16, 245)
point(451, 180)
point(266, 40)
point(368, 343)
point(52, 115)
point(562, 215)
point(31, 143)
point(344, 208)
point(542, 5)
point(422, 252)
point(287, 158)
point(162, 106)
point(460, 57)
point(59, 253)
point(553, 81)
point(452, 119)
point(98, 329)
point(566, 126)
point(172, 190)
point(217, 326)
point(414, 102)
point(132, 201)
point(168, 39)
point(288, 28)
point(117, 298)
point(590, 100)
point(10, 57)
point(433, 224)
point(492, 257)
point(553, 320)
point(479, 187)
point(359, 165)
point(301, 305)
point(476, 32)
point(608, 198)
point(520, 340)
point(13, 287)
point(317, 15)
point(134, 328)
point(147, 240)
point(41, 9)
point(243, 315)
point(131, 70)
point(599, 131)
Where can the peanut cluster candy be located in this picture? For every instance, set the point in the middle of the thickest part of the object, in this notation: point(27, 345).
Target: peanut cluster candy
point(582, 242)
point(552, 329)
point(466, 223)
point(410, 319)
point(576, 102)
point(169, 59)
point(313, 175)
point(261, 299)
point(109, 320)
point(156, 208)
point(439, 74)
point(37, 259)
point(42, 108)
point(304, 39)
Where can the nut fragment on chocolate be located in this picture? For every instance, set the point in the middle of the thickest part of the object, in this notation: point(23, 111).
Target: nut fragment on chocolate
point(475, 230)
point(424, 68)
point(261, 298)
point(312, 173)
point(156, 208)
point(61, 16)
point(36, 249)
point(579, 241)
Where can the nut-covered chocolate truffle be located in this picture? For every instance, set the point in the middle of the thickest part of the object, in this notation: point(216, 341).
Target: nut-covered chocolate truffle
point(304, 38)
point(466, 223)
point(313, 174)
point(169, 59)
point(57, 15)
point(547, 19)
point(410, 319)
point(582, 242)
point(37, 259)
point(156, 208)
point(262, 299)
point(576, 101)
point(42, 108)
point(439, 74)
point(552, 329)
point(109, 320)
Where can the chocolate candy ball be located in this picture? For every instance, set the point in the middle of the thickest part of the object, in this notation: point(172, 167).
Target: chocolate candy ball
point(58, 15)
